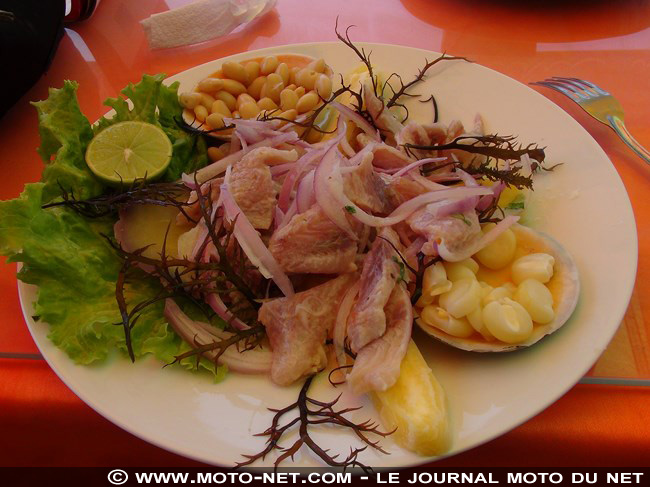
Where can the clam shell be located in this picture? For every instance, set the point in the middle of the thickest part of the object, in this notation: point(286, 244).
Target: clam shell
point(564, 286)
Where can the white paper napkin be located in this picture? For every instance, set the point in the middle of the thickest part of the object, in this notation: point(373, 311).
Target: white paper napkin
point(201, 20)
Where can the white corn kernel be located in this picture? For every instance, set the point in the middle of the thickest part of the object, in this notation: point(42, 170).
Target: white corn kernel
point(210, 85)
point(435, 280)
point(288, 99)
point(500, 252)
point(425, 300)
point(533, 266)
point(307, 102)
point(215, 120)
point(460, 270)
point(283, 71)
point(190, 99)
point(234, 87)
point(475, 319)
point(462, 298)
point(219, 106)
point(255, 87)
point(485, 289)
point(439, 318)
point(206, 100)
point(201, 113)
point(227, 98)
point(252, 69)
point(497, 293)
point(235, 71)
point(507, 320)
point(269, 65)
point(536, 299)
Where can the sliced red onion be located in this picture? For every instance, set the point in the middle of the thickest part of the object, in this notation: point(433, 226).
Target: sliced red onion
point(218, 306)
point(305, 194)
point(278, 216)
point(487, 200)
point(252, 244)
point(328, 188)
point(465, 177)
point(341, 324)
point(196, 333)
point(294, 175)
point(216, 168)
point(358, 157)
point(405, 209)
point(426, 182)
point(341, 129)
point(281, 169)
point(286, 218)
point(483, 241)
point(419, 163)
point(357, 119)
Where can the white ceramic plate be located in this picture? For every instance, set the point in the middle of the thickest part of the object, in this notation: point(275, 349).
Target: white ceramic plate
point(583, 204)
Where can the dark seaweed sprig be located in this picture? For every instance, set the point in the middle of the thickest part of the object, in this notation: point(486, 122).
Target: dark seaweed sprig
point(138, 193)
point(361, 53)
point(496, 146)
point(313, 412)
point(244, 340)
point(402, 91)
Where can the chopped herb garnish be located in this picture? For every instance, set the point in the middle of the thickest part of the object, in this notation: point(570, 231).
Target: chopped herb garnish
point(350, 209)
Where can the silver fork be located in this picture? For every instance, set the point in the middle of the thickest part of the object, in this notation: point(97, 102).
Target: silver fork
point(599, 104)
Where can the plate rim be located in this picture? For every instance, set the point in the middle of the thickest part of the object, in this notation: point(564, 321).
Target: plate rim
point(551, 399)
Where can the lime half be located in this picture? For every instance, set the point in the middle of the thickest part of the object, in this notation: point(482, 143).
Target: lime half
point(127, 151)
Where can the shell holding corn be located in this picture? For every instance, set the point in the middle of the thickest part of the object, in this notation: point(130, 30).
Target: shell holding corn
point(564, 287)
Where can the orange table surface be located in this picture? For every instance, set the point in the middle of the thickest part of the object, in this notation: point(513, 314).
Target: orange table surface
point(43, 423)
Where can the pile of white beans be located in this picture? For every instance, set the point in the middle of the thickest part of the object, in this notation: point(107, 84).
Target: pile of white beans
point(253, 88)
point(456, 302)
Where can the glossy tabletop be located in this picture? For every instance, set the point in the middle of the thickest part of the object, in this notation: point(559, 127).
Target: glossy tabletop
point(601, 41)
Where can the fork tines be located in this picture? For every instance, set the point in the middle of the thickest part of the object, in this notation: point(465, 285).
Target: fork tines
point(575, 88)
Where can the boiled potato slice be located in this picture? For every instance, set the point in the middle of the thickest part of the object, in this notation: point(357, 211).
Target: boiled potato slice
point(416, 406)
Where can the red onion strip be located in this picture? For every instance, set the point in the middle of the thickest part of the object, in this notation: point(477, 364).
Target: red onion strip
point(252, 244)
point(305, 193)
point(419, 163)
point(216, 168)
point(218, 306)
point(357, 119)
point(328, 188)
point(196, 333)
point(338, 200)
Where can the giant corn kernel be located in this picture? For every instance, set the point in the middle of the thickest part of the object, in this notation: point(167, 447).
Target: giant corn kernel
point(500, 252)
point(459, 270)
point(533, 266)
point(415, 407)
point(462, 298)
point(507, 320)
point(437, 317)
point(475, 319)
point(536, 299)
point(435, 280)
point(497, 293)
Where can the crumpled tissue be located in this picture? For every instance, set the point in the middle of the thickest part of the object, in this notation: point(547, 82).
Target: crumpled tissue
point(201, 21)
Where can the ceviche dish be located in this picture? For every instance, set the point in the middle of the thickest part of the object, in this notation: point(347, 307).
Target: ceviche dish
point(286, 220)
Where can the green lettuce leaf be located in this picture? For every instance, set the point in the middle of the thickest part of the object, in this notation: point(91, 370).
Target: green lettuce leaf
point(66, 254)
point(65, 133)
point(75, 269)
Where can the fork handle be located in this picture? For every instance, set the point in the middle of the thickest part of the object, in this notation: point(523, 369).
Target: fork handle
point(619, 127)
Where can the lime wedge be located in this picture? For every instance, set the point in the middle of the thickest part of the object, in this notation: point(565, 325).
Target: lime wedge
point(127, 151)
